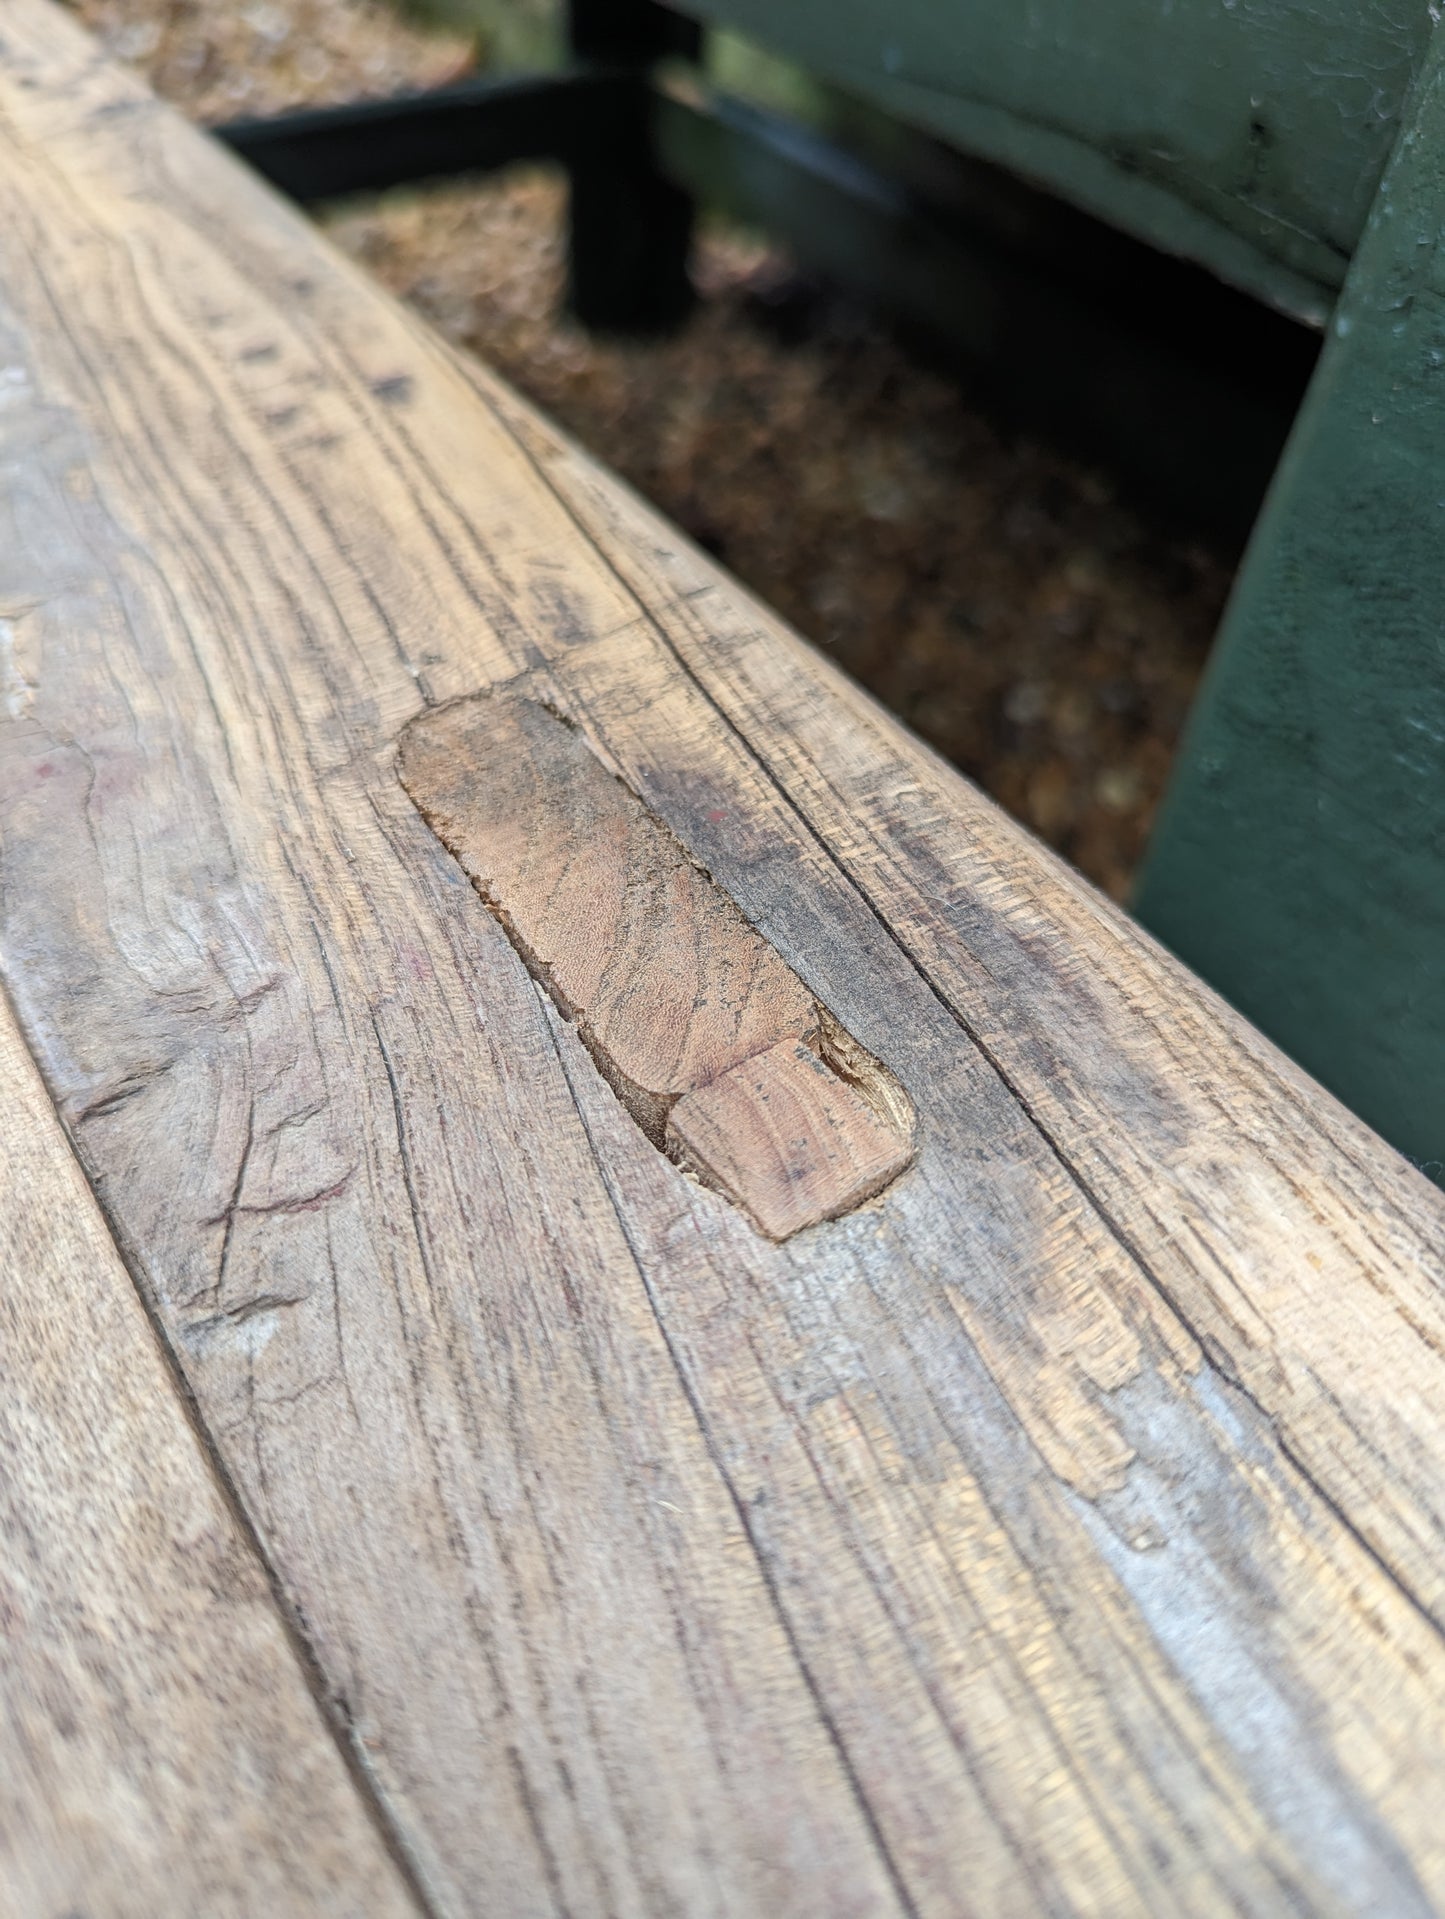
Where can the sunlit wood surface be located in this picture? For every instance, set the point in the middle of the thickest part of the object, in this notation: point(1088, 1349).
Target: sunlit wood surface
point(1058, 1529)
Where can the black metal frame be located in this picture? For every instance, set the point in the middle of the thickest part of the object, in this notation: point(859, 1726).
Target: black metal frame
point(630, 225)
point(472, 126)
point(1149, 362)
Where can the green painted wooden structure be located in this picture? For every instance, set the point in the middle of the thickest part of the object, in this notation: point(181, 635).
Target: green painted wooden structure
point(1300, 860)
point(1247, 134)
point(1297, 149)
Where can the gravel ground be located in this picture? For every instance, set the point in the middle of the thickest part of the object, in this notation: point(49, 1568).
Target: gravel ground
point(996, 594)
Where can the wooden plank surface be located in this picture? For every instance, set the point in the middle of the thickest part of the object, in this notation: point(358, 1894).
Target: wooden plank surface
point(160, 1751)
point(1059, 1530)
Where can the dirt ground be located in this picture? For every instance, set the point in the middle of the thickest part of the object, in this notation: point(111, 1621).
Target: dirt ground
point(996, 594)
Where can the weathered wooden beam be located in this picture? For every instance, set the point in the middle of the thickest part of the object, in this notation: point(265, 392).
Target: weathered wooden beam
point(1058, 1529)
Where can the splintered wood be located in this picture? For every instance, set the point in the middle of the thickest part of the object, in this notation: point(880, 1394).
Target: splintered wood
point(712, 1043)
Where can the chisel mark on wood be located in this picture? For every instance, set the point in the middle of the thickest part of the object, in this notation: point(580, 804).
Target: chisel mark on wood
point(709, 1039)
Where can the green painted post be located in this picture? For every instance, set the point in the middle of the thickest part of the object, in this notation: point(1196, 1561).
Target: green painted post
point(1299, 863)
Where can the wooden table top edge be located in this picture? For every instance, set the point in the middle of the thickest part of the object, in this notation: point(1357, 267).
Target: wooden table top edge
point(1063, 1519)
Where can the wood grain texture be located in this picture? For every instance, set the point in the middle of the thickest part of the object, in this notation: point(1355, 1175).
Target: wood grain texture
point(667, 982)
point(160, 1751)
point(791, 1140)
point(1060, 1532)
point(670, 989)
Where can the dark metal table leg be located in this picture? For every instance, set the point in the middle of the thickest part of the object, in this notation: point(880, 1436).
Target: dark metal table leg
point(630, 227)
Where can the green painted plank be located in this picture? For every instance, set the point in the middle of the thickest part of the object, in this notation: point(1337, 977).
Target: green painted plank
point(1247, 134)
point(1300, 860)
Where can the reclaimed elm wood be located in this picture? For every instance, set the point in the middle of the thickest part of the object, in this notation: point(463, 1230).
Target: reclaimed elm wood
point(1060, 1530)
point(160, 1751)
